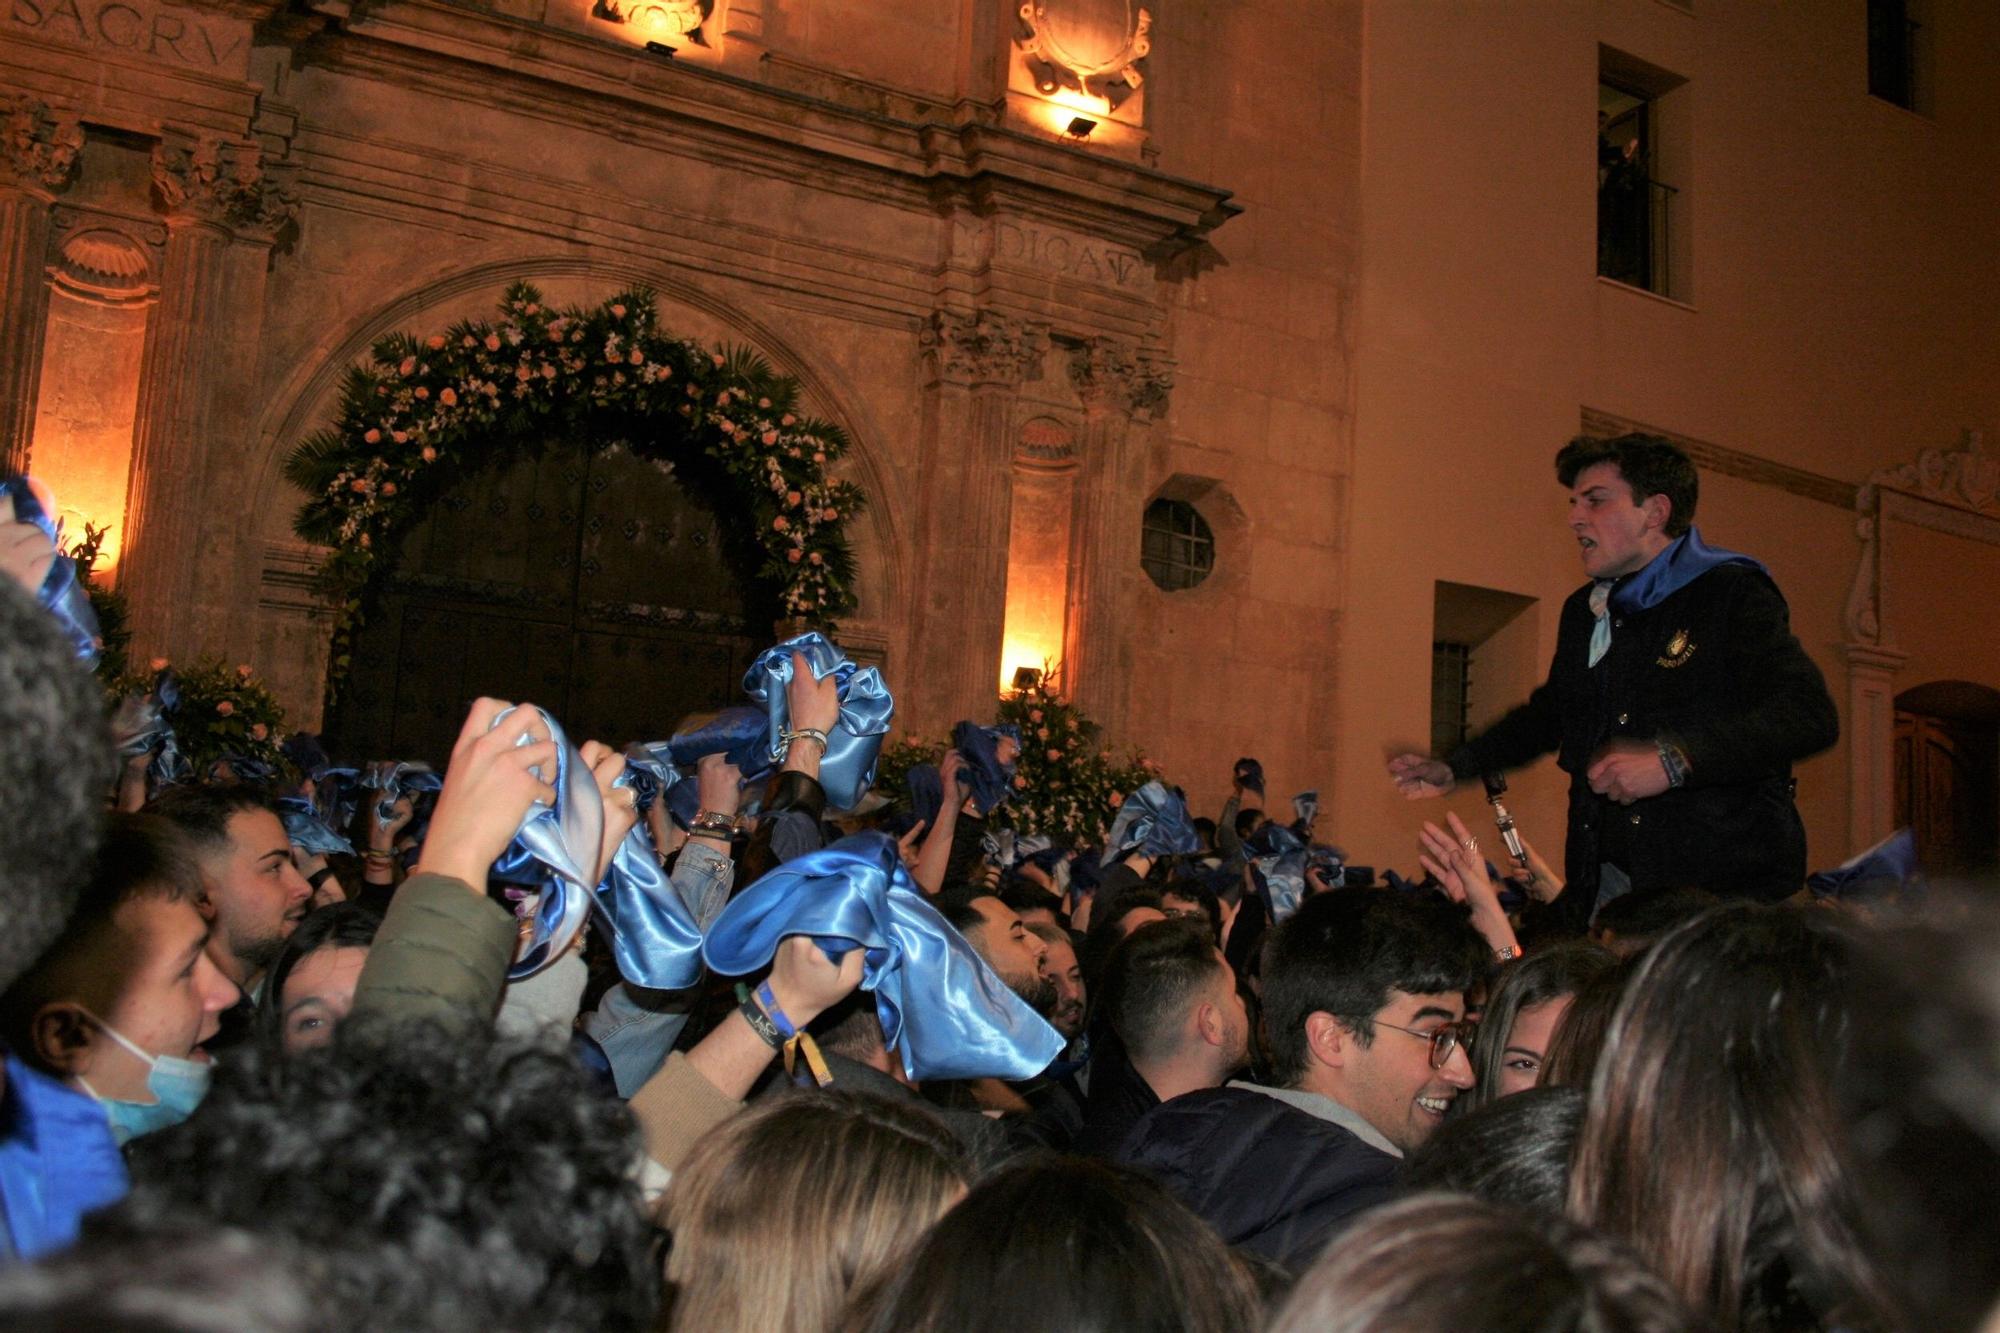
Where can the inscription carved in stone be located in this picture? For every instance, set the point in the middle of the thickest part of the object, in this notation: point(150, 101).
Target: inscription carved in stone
point(141, 27)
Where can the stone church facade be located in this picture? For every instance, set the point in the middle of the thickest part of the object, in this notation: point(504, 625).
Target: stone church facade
point(1048, 262)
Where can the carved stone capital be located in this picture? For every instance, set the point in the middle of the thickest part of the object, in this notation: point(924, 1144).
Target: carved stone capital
point(1111, 374)
point(39, 146)
point(231, 184)
point(1964, 478)
point(983, 348)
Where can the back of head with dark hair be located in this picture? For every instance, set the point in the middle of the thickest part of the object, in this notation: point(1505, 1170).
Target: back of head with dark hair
point(1343, 952)
point(1152, 978)
point(55, 766)
point(1246, 821)
point(449, 1176)
point(1107, 927)
point(1026, 896)
point(1196, 892)
point(1549, 973)
point(335, 926)
point(191, 1279)
point(1070, 1243)
point(956, 906)
point(141, 856)
point(1442, 1263)
point(1921, 1087)
point(1514, 1151)
point(203, 811)
point(1629, 923)
point(1651, 464)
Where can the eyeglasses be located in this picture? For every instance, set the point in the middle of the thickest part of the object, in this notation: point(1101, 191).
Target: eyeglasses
point(1444, 1039)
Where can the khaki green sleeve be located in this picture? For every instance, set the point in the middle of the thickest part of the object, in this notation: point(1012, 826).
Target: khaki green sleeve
point(441, 954)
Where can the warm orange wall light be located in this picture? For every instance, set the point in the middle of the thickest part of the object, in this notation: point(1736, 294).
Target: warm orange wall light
point(1037, 573)
point(82, 446)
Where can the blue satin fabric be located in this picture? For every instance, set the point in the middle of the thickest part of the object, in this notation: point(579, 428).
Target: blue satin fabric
point(848, 767)
point(1686, 559)
point(991, 781)
point(557, 847)
point(307, 831)
point(62, 593)
point(1886, 869)
point(926, 786)
point(738, 734)
point(142, 725)
point(654, 937)
point(1251, 774)
point(1153, 821)
point(649, 770)
point(1305, 808)
point(938, 1001)
point(337, 795)
point(396, 779)
point(1278, 856)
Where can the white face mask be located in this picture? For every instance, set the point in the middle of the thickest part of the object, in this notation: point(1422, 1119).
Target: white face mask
point(177, 1084)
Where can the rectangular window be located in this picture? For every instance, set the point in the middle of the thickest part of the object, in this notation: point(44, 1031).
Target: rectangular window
point(1642, 175)
point(1451, 696)
point(1898, 53)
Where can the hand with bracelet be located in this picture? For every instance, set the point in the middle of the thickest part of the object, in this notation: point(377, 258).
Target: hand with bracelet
point(804, 983)
point(812, 708)
point(621, 804)
point(379, 861)
point(719, 785)
point(1455, 860)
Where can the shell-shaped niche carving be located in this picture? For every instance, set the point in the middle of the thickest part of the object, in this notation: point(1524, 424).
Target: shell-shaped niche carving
point(1045, 443)
point(104, 262)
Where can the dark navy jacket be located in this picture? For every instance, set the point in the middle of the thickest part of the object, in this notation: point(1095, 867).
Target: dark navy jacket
point(1269, 1177)
point(1713, 668)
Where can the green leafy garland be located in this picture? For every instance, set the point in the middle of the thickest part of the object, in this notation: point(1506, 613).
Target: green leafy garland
point(422, 415)
point(1066, 785)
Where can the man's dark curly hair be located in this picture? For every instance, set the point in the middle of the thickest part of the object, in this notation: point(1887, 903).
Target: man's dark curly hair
point(1342, 953)
point(1652, 464)
point(457, 1179)
point(55, 767)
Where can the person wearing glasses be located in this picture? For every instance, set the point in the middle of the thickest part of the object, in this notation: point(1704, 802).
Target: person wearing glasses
point(1364, 1001)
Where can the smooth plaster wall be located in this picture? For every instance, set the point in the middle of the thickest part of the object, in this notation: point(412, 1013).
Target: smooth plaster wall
point(1841, 320)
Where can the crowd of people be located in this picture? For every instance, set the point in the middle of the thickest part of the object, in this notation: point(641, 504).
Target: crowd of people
point(663, 1038)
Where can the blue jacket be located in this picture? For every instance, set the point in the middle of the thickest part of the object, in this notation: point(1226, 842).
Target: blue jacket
point(1267, 1176)
point(58, 1161)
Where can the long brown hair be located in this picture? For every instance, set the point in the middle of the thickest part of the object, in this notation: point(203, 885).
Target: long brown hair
point(1711, 1144)
point(798, 1200)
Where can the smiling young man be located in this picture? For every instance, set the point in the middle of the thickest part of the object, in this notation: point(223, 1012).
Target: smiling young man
point(253, 895)
point(1364, 1002)
point(1678, 699)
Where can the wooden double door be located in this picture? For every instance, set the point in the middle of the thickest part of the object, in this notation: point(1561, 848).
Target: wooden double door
point(593, 584)
point(1948, 776)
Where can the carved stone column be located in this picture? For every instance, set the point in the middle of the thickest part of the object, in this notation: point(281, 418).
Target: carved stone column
point(976, 364)
point(38, 156)
point(1122, 387)
point(221, 198)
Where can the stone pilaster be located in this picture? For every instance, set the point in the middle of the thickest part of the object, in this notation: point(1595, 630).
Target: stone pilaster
point(39, 149)
point(1123, 387)
point(222, 198)
point(975, 365)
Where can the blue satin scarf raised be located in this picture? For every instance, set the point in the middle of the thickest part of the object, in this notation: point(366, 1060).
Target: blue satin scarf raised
point(847, 769)
point(938, 1001)
point(62, 593)
point(1153, 822)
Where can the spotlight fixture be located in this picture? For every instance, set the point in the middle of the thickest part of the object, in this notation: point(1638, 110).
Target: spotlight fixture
point(1026, 678)
point(1080, 127)
point(660, 49)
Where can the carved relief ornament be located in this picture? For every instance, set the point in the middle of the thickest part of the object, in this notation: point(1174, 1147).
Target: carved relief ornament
point(1114, 374)
point(1965, 485)
point(1093, 47)
point(38, 146)
point(1964, 478)
point(224, 182)
point(660, 20)
point(983, 348)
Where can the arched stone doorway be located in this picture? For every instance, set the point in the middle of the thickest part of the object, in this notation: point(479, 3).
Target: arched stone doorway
point(1948, 774)
point(598, 585)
